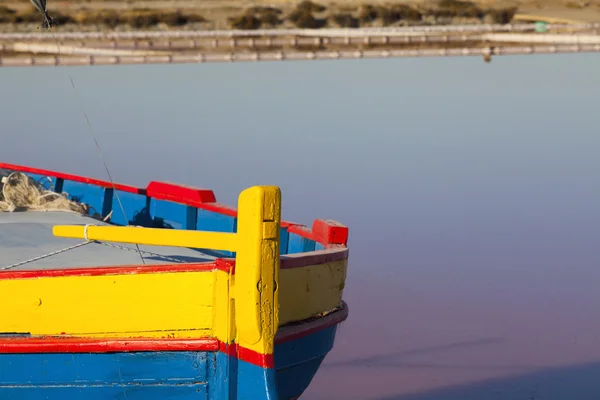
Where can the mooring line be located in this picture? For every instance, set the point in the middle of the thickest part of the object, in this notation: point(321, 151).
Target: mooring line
point(51, 28)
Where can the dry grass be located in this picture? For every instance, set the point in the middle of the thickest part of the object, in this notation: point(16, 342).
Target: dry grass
point(141, 18)
point(257, 17)
point(305, 14)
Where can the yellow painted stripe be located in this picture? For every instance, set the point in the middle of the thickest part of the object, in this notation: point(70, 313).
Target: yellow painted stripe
point(149, 305)
point(151, 236)
point(308, 291)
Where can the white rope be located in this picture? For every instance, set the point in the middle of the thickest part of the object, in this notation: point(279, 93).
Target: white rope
point(85, 231)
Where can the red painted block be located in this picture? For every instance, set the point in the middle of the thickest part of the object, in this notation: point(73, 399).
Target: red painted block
point(329, 232)
point(188, 195)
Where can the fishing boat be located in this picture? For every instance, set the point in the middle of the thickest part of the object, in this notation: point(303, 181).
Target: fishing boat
point(111, 291)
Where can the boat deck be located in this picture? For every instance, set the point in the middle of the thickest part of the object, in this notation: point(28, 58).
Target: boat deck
point(28, 235)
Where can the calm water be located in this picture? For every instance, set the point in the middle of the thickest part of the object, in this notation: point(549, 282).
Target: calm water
point(472, 192)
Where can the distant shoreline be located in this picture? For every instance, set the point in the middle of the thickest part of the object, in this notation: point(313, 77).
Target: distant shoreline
point(110, 15)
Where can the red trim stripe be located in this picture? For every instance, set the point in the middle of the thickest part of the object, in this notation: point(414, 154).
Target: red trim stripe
point(179, 193)
point(84, 345)
point(247, 355)
point(70, 177)
point(219, 264)
point(54, 344)
point(226, 265)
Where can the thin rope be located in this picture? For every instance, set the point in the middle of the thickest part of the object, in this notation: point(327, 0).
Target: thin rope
point(145, 252)
point(82, 244)
point(95, 140)
point(45, 256)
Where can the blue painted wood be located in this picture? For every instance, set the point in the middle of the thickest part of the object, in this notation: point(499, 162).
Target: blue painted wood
point(297, 361)
point(284, 238)
point(305, 348)
point(173, 215)
point(298, 244)
point(294, 380)
point(214, 222)
point(140, 375)
point(171, 391)
point(164, 375)
point(105, 368)
point(319, 246)
point(92, 195)
point(236, 379)
point(137, 209)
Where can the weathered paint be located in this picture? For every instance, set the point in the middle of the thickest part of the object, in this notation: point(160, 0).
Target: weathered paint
point(238, 310)
point(307, 291)
point(86, 372)
point(152, 305)
point(141, 375)
point(257, 268)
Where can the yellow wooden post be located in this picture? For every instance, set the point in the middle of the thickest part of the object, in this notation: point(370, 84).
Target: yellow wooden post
point(257, 268)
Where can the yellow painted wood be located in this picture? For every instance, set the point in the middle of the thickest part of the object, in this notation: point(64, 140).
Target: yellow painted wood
point(308, 291)
point(223, 307)
point(257, 268)
point(150, 305)
point(151, 236)
point(244, 306)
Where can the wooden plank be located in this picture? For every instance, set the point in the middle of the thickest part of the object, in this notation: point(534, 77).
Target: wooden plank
point(308, 291)
point(166, 304)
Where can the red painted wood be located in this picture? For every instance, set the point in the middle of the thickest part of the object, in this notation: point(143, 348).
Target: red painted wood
point(293, 332)
point(247, 355)
point(300, 260)
point(223, 265)
point(84, 345)
point(71, 177)
point(54, 344)
point(329, 232)
point(179, 193)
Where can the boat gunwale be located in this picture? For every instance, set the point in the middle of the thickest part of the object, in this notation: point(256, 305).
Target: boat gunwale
point(326, 232)
point(287, 261)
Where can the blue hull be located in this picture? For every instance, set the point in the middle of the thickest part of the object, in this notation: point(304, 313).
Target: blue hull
point(163, 375)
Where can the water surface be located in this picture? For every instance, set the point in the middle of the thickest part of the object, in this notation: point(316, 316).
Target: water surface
point(472, 193)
